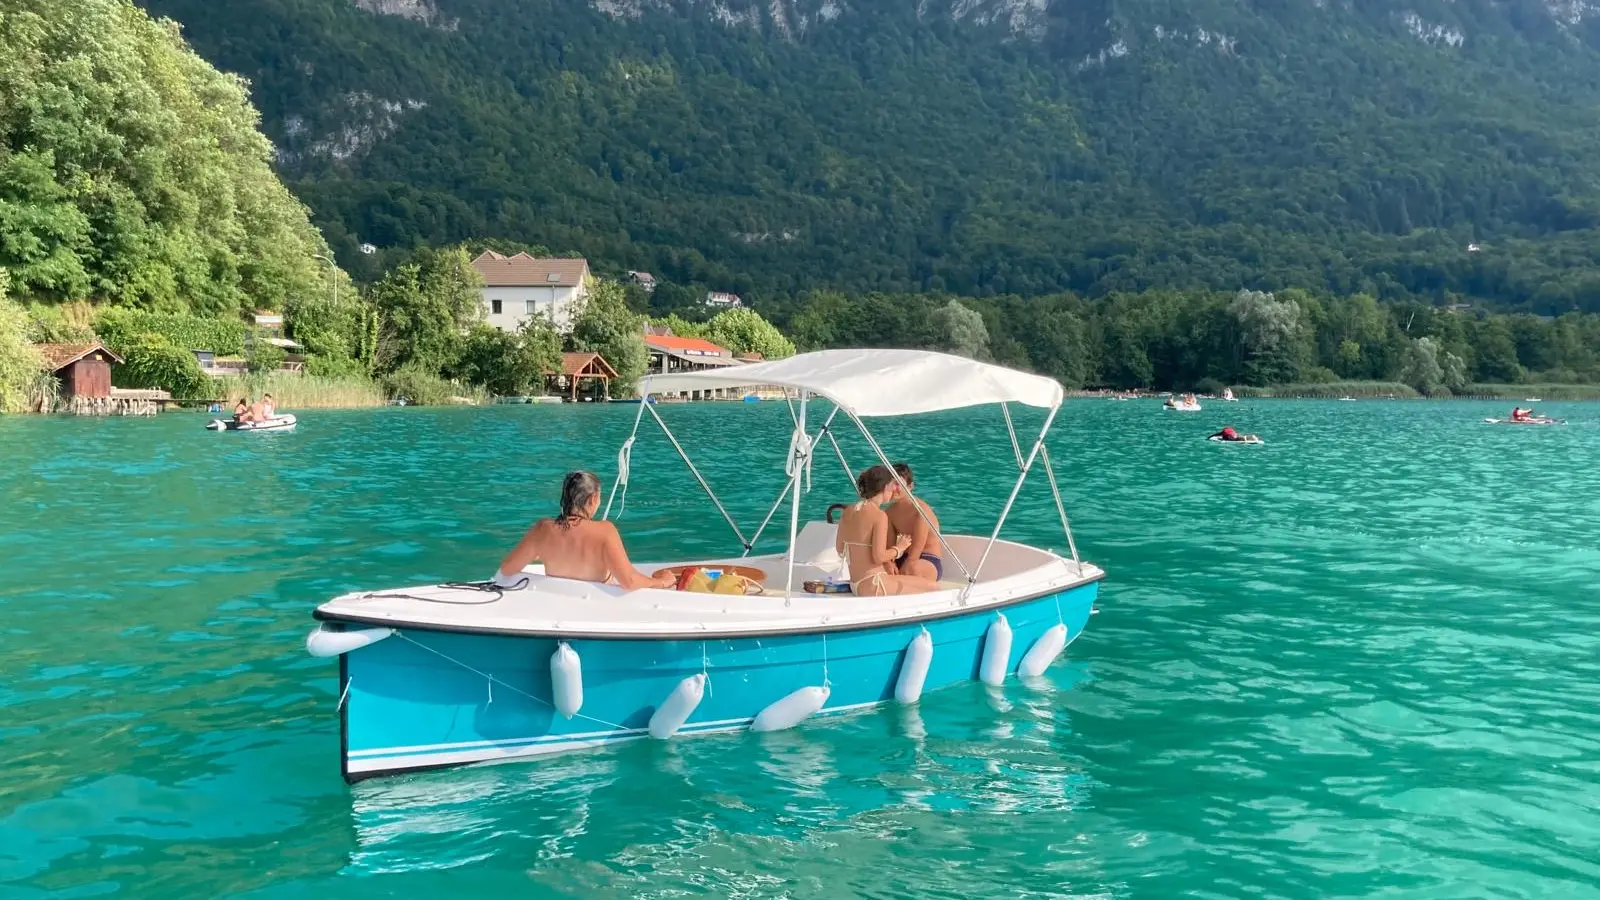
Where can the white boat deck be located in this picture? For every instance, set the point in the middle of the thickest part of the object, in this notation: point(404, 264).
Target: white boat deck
point(567, 608)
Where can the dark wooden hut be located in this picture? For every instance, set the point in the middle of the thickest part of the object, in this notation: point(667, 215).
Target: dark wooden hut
point(84, 370)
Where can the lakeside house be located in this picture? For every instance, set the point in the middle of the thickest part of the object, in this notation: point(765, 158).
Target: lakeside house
point(518, 287)
point(672, 354)
point(723, 300)
point(644, 280)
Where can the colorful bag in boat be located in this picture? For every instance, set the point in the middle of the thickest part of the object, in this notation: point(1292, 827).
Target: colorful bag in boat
point(695, 578)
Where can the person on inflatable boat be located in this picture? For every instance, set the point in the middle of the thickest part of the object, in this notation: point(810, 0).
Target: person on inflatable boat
point(1518, 414)
point(241, 410)
point(268, 406)
point(925, 557)
point(574, 545)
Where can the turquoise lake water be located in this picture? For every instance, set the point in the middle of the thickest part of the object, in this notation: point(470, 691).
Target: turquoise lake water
point(1360, 661)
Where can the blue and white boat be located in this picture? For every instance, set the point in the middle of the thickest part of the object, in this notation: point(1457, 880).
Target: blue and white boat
point(444, 675)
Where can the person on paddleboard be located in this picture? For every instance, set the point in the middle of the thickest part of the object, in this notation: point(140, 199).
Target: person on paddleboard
point(574, 545)
point(1228, 434)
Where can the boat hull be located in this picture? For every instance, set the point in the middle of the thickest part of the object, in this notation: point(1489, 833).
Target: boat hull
point(424, 699)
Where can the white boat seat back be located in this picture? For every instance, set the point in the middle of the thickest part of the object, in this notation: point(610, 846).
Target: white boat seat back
point(814, 546)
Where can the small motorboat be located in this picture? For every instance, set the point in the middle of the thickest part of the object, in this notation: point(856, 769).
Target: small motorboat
point(1182, 406)
point(1242, 439)
point(457, 673)
point(1534, 420)
point(1227, 395)
point(275, 423)
point(1533, 400)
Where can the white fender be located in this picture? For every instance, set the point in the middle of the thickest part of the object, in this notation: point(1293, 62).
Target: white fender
point(325, 642)
point(679, 705)
point(996, 652)
point(566, 679)
point(914, 670)
point(1043, 652)
point(791, 710)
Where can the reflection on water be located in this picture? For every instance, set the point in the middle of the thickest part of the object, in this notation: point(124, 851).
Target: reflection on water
point(1357, 661)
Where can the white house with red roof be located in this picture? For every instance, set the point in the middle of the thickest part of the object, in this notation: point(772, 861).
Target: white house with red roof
point(518, 287)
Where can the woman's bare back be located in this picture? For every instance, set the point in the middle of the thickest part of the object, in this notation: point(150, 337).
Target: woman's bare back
point(575, 550)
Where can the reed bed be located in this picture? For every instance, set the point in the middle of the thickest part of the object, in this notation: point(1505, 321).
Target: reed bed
point(291, 392)
point(1542, 391)
point(1331, 390)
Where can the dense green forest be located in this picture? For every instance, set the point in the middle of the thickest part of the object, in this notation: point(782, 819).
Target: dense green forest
point(1205, 340)
point(981, 149)
point(132, 172)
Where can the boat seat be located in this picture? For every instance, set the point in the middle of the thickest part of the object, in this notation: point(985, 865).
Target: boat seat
point(814, 546)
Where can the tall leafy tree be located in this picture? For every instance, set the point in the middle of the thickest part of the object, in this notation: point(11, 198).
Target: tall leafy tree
point(607, 326)
point(132, 171)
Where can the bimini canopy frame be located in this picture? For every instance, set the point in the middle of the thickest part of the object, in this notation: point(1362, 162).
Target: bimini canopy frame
point(864, 384)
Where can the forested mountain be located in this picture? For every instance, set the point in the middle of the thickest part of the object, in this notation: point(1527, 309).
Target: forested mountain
point(1406, 148)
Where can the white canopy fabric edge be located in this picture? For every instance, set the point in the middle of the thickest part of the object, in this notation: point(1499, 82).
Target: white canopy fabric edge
point(877, 383)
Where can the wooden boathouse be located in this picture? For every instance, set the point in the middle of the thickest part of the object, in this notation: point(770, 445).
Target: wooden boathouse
point(580, 367)
point(83, 373)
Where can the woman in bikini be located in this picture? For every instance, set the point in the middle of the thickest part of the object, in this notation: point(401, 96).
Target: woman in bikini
point(574, 545)
point(863, 539)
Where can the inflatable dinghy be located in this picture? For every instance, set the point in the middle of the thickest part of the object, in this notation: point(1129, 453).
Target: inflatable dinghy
point(1252, 439)
point(1183, 407)
point(276, 423)
point(1542, 420)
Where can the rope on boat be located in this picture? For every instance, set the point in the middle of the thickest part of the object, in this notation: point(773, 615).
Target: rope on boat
point(343, 695)
point(486, 587)
point(624, 465)
point(705, 667)
point(825, 681)
point(491, 679)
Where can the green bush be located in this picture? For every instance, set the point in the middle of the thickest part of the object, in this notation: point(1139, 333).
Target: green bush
point(154, 361)
point(335, 367)
point(20, 362)
point(120, 328)
point(68, 323)
point(419, 386)
point(1209, 386)
point(264, 357)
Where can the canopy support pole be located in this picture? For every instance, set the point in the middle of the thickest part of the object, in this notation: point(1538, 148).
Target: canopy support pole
point(624, 460)
point(1050, 474)
point(697, 476)
point(1015, 489)
point(784, 494)
point(883, 458)
point(1016, 449)
point(797, 461)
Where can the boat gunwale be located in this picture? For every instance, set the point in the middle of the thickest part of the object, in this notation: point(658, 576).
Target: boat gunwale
point(704, 635)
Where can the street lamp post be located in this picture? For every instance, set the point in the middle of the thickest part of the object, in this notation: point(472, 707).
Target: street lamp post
point(333, 273)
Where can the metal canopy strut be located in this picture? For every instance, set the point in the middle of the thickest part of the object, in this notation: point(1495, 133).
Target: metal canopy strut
point(697, 476)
